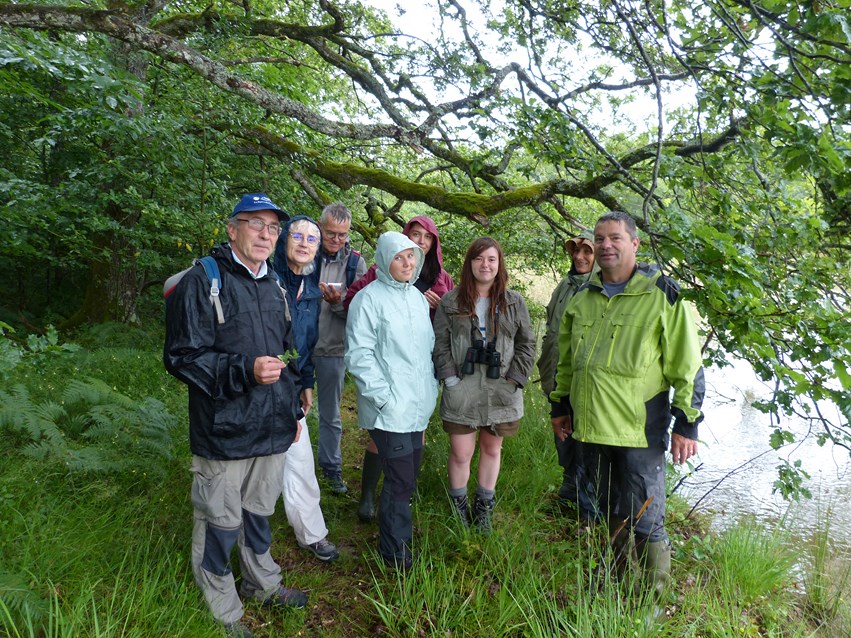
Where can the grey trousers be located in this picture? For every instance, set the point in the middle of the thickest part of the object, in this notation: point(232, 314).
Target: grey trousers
point(232, 501)
point(330, 373)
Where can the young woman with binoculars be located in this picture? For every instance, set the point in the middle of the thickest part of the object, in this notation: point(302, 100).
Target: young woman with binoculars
point(484, 351)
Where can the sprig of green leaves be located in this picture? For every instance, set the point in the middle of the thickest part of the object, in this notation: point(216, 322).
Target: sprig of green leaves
point(289, 355)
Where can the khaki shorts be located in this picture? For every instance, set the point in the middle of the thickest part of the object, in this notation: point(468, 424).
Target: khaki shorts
point(497, 429)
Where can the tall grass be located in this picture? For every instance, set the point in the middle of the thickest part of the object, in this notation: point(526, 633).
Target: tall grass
point(108, 555)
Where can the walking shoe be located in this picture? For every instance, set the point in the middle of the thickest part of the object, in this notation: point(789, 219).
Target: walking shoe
point(285, 597)
point(324, 550)
point(462, 509)
point(567, 491)
point(237, 630)
point(483, 514)
point(337, 484)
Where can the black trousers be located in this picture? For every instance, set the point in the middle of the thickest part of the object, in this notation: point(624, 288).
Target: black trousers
point(400, 454)
point(624, 478)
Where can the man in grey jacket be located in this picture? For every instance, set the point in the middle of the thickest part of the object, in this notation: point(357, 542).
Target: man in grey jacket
point(339, 267)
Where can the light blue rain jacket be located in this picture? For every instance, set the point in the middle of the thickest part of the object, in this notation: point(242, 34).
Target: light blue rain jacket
point(389, 340)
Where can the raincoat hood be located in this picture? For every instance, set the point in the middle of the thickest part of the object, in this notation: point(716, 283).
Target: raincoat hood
point(389, 245)
point(430, 226)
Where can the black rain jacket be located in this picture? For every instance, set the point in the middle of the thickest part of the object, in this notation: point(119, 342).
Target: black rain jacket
point(231, 416)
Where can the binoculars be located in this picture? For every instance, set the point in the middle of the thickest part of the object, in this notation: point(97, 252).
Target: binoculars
point(487, 355)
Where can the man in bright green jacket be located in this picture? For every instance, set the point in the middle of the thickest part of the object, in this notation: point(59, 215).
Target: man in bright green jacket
point(625, 340)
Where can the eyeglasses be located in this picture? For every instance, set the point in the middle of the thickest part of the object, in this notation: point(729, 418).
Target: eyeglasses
point(300, 237)
point(257, 224)
point(340, 236)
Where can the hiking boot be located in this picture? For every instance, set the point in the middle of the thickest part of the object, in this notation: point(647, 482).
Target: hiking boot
point(462, 509)
point(369, 483)
point(324, 550)
point(237, 630)
point(285, 597)
point(402, 564)
point(483, 514)
point(337, 484)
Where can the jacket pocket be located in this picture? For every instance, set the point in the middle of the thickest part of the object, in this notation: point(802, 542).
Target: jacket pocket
point(506, 393)
point(456, 398)
point(627, 343)
point(228, 417)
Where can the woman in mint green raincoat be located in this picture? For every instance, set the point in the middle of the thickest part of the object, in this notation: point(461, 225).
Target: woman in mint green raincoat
point(389, 340)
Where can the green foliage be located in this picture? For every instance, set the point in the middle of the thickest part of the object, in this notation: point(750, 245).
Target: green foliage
point(754, 564)
point(790, 481)
point(89, 428)
point(826, 579)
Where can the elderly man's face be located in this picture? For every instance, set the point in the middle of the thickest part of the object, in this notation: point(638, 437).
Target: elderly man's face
point(253, 247)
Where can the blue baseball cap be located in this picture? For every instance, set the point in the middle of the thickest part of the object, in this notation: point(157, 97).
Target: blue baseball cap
point(258, 201)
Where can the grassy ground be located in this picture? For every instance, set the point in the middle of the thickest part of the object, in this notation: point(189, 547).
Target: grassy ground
point(104, 552)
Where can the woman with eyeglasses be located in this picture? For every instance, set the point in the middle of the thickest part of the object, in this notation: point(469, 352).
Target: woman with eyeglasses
point(484, 350)
point(296, 268)
point(433, 282)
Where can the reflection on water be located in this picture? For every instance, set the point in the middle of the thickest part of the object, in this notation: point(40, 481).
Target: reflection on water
point(734, 444)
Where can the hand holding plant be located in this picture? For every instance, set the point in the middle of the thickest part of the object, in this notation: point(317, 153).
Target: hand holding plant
point(289, 355)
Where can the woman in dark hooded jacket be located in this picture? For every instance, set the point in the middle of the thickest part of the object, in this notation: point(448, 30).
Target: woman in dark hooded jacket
point(433, 282)
point(295, 258)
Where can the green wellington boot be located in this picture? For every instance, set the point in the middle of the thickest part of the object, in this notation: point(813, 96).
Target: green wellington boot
point(368, 484)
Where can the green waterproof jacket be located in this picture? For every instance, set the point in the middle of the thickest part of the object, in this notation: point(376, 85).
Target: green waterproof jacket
point(475, 400)
point(619, 358)
point(563, 292)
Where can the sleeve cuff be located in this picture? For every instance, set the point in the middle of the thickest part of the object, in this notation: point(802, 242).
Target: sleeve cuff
point(561, 408)
point(688, 430)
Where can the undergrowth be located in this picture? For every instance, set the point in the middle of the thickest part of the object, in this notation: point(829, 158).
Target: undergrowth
point(96, 525)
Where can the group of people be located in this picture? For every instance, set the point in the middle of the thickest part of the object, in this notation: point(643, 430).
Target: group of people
point(618, 337)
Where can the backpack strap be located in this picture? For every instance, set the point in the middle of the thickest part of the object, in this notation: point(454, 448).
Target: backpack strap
point(352, 267)
point(212, 270)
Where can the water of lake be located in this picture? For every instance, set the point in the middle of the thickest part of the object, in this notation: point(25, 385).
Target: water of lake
point(734, 444)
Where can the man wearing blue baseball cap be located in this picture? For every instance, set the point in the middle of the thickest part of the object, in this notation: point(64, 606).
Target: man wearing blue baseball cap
point(243, 409)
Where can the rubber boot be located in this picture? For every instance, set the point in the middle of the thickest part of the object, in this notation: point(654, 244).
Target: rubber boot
point(655, 559)
point(368, 484)
point(462, 510)
point(483, 514)
point(657, 566)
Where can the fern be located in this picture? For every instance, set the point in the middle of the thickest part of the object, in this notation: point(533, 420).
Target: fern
point(17, 600)
point(94, 429)
point(34, 421)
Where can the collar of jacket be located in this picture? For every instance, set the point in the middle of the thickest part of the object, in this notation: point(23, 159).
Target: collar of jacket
point(341, 255)
point(224, 253)
point(642, 280)
point(450, 301)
